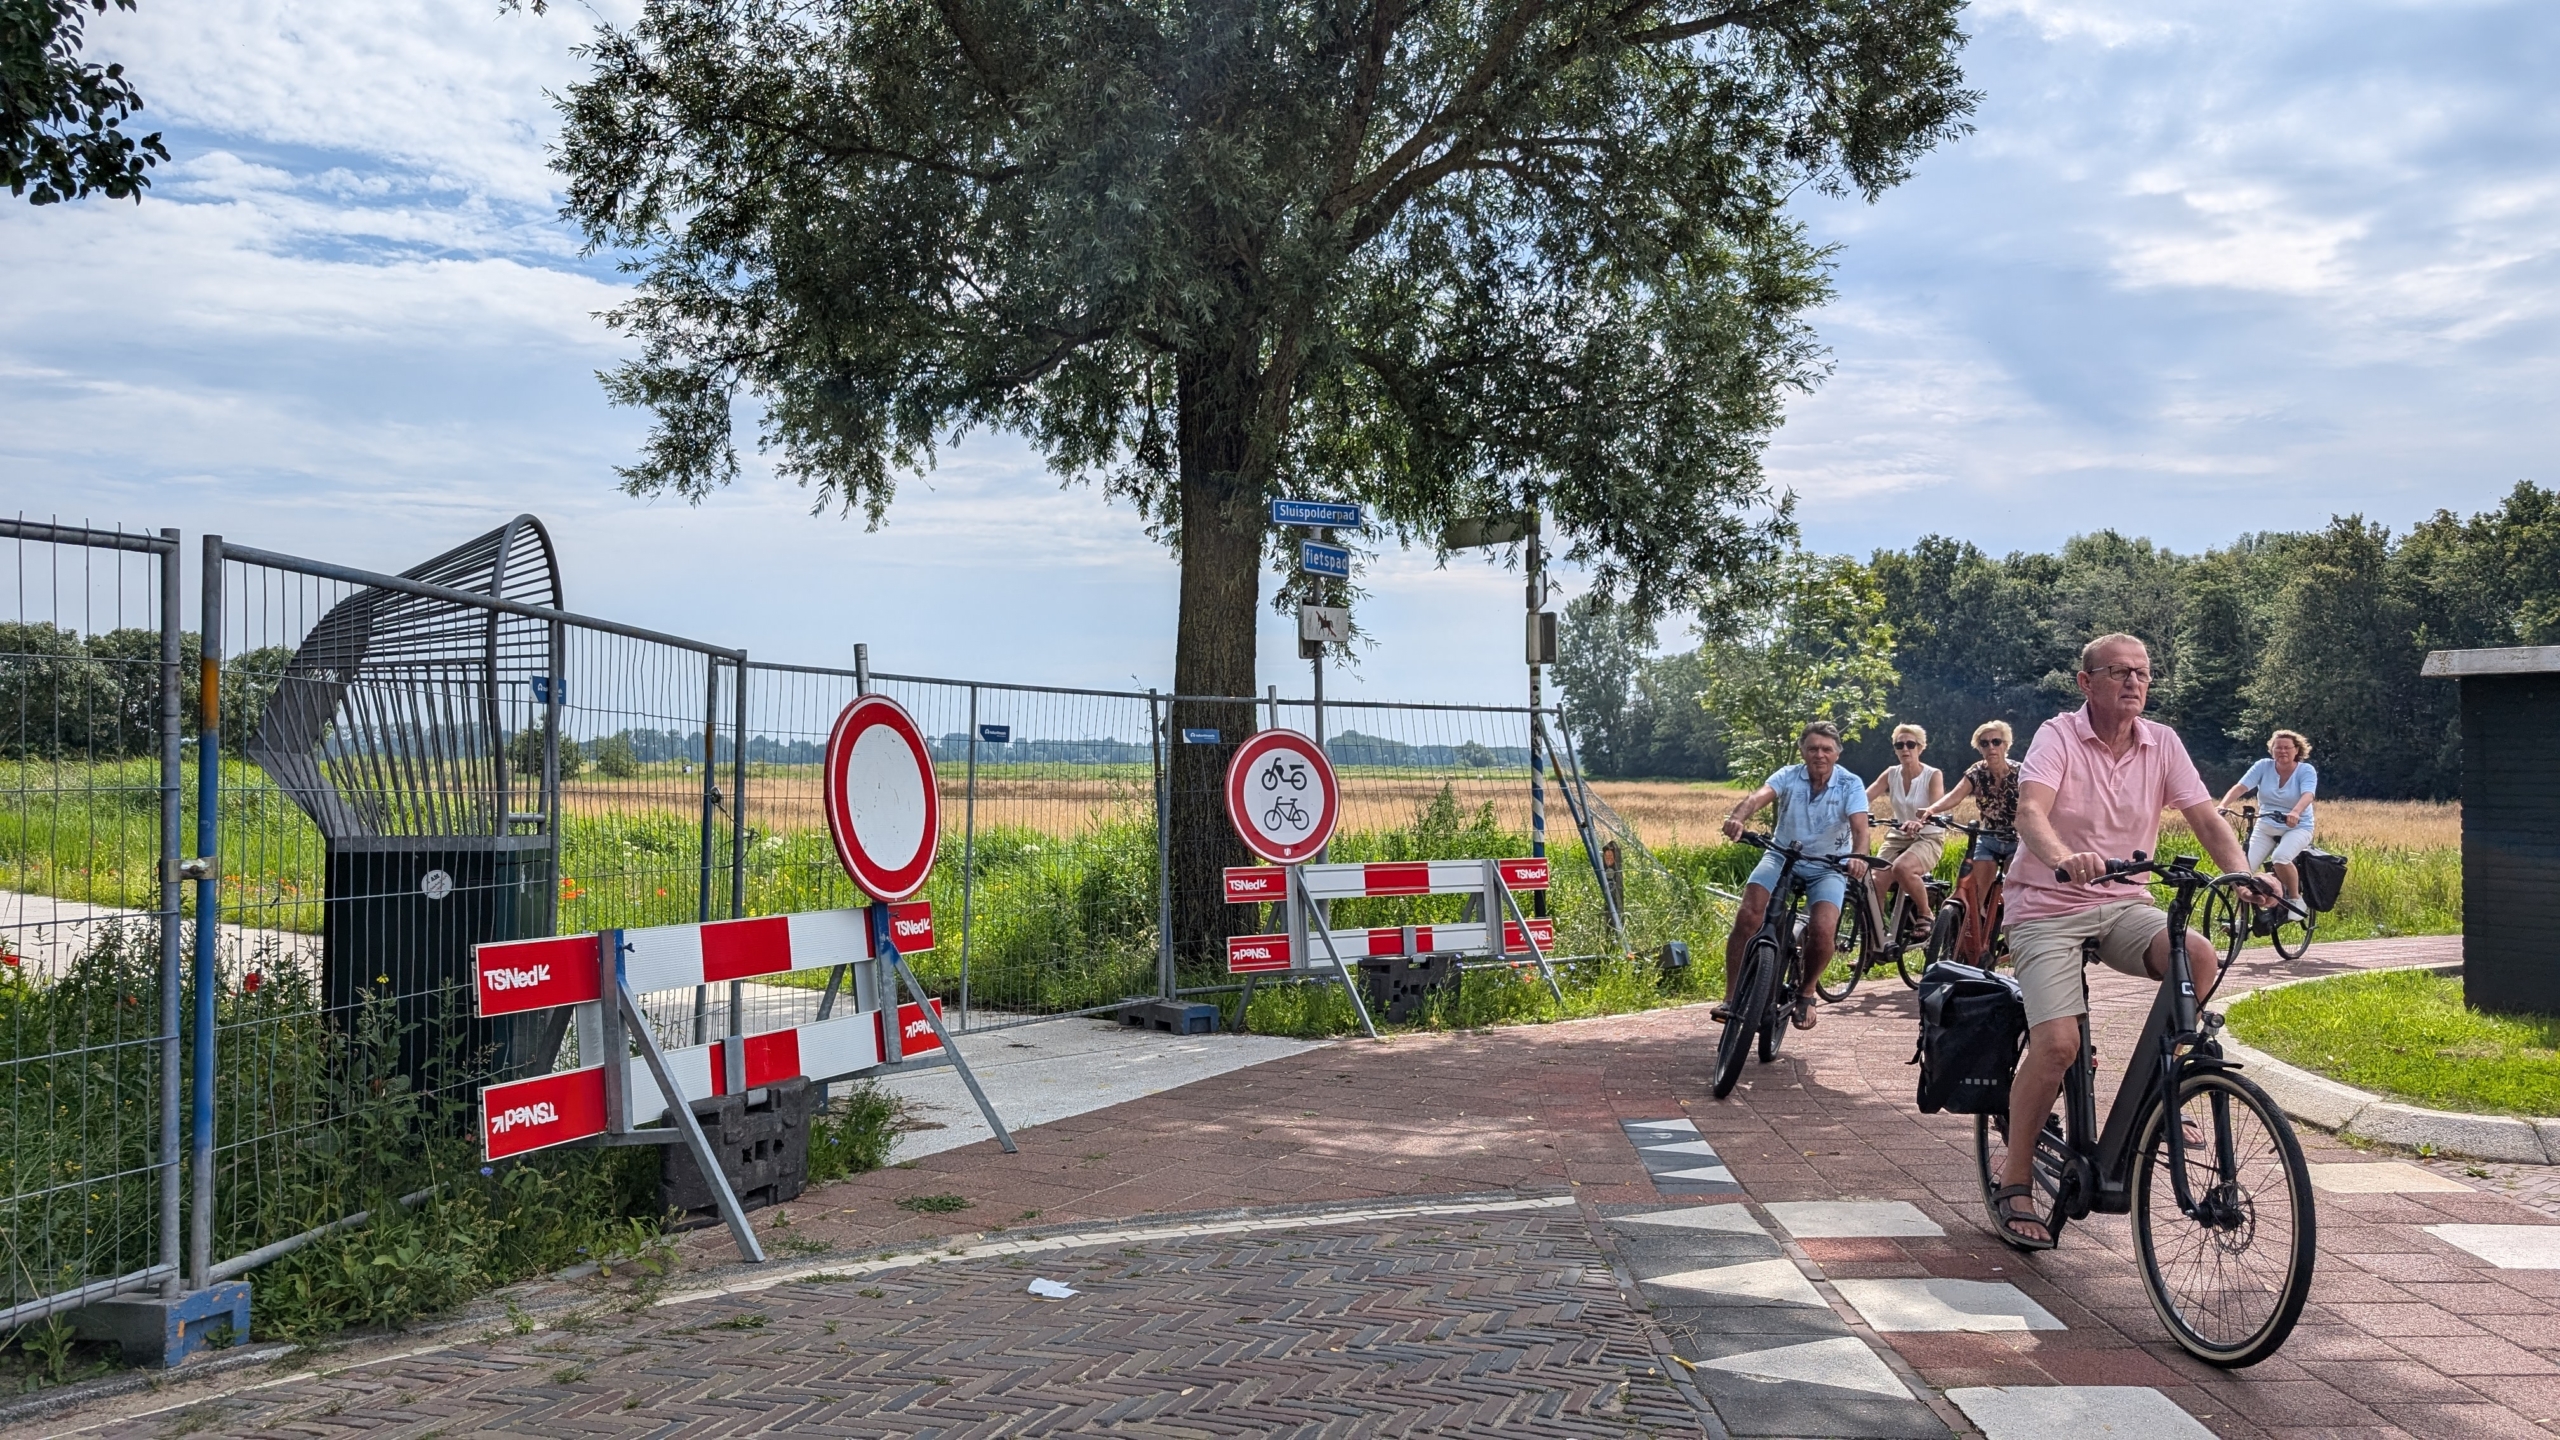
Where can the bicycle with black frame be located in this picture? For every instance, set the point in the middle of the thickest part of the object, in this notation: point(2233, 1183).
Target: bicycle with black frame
point(1760, 998)
point(1967, 928)
point(2288, 927)
point(1873, 936)
point(2224, 1229)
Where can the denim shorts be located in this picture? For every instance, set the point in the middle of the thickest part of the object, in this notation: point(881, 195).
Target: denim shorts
point(1821, 884)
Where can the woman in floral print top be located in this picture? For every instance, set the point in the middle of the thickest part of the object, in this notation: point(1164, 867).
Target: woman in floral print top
point(1991, 783)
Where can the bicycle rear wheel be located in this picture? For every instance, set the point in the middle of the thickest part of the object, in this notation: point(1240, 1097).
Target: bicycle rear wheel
point(1904, 943)
point(1746, 998)
point(1848, 966)
point(2292, 934)
point(2229, 1281)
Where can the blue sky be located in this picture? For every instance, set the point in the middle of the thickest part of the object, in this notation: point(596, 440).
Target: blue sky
point(2203, 269)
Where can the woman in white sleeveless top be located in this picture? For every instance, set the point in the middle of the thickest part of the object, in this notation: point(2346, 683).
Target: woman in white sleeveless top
point(1910, 787)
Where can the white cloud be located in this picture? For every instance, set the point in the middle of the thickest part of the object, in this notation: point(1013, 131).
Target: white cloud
point(2205, 268)
point(2202, 261)
point(455, 93)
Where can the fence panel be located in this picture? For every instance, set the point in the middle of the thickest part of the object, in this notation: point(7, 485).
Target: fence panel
point(410, 766)
point(1046, 894)
point(89, 922)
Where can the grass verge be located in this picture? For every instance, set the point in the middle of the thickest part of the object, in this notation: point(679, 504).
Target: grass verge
point(2407, 1034)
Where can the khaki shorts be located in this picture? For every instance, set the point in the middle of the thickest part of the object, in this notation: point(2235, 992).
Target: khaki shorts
point(1928, 845)
point(2045, 954)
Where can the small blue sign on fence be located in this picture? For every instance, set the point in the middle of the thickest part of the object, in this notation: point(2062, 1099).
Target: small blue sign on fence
point(1191, 736)
point(542, 691)
point(996, 734)
point(1317, 558)
point(1320, 514)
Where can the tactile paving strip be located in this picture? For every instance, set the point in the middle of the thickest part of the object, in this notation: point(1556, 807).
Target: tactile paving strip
point(1678, 1159)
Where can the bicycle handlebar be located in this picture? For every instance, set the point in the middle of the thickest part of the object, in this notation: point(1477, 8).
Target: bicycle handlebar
point(2180, 872)
point(1969, 827)
point(1761, 841)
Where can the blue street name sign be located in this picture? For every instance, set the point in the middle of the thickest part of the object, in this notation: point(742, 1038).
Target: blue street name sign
point(1321, 514)
point(1317, 558)
point(996, 734)
point(542, 691)
point(1198, 737)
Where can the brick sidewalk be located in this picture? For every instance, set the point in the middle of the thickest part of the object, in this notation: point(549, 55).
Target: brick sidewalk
point(2388, 1346)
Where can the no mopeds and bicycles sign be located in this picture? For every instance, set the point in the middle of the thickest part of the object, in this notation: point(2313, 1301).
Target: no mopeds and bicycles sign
point(1282, 796)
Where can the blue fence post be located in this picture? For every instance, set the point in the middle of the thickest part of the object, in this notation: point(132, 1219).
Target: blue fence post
point(208, 868)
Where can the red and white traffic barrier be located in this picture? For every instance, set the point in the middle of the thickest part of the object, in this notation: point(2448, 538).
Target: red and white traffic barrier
point(1283, 800)
point(882, 815)
point(1255, 884)
point(518, 976)
point(1494, 881)
point(1260, 954)
point(521, 975)
point(569, 1105)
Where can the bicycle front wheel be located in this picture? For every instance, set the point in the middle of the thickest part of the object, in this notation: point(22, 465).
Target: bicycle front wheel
point(1945, 932)
point(2225, 923)
point(1746, 998)
point(1773, 1025)
point(2229, 1280)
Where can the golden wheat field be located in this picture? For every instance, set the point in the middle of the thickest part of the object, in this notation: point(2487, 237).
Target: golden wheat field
point(1664, 812)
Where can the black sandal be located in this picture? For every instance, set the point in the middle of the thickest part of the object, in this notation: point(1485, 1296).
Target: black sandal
point(1804, 1013)
point(2006, 1217)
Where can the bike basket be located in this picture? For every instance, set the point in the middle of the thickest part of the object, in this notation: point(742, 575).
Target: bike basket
point(1973, 1024)
point(2322, 875)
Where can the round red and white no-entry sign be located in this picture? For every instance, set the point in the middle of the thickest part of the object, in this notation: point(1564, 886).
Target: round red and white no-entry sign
point(1281, 796)
point(882, 806)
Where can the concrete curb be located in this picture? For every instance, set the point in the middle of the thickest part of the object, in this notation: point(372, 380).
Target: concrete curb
point(2326, 1104)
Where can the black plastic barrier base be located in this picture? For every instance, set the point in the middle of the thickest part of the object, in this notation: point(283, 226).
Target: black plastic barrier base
point(764, 1148)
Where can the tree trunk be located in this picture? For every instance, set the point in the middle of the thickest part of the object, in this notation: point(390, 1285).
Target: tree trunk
point(1221, 543)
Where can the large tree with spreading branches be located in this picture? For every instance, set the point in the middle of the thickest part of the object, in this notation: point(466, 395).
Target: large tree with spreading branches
point(1440, 256)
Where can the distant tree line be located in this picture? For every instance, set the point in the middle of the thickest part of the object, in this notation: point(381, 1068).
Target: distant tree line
point(66, 696)
point(2321, 631)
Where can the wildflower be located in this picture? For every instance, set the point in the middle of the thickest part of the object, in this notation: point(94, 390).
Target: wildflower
point(250, 982)
point(488, 1169)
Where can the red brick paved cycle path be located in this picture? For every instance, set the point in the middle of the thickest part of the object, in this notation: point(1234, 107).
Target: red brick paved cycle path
point(1522, 1320)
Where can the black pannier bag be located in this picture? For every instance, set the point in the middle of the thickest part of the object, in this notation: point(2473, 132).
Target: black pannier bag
point(2322, 875)
point(1973, 1024)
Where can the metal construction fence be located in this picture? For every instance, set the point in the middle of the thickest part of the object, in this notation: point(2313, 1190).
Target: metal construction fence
point(373, 773)
point(89, 1003)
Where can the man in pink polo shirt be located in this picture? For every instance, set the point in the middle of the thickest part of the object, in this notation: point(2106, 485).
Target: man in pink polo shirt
point(2091, 790)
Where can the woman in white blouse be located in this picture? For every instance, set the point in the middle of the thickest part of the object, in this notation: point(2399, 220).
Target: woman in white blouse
point(1908, 856)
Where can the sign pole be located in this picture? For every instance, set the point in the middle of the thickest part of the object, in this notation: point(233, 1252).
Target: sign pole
point(968, 855)
point(1537, 735)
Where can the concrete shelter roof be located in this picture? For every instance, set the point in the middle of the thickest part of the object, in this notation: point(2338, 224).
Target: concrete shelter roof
point(2509, 660)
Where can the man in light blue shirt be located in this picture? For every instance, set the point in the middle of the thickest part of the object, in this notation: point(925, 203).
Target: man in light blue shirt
point(1822, 812)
